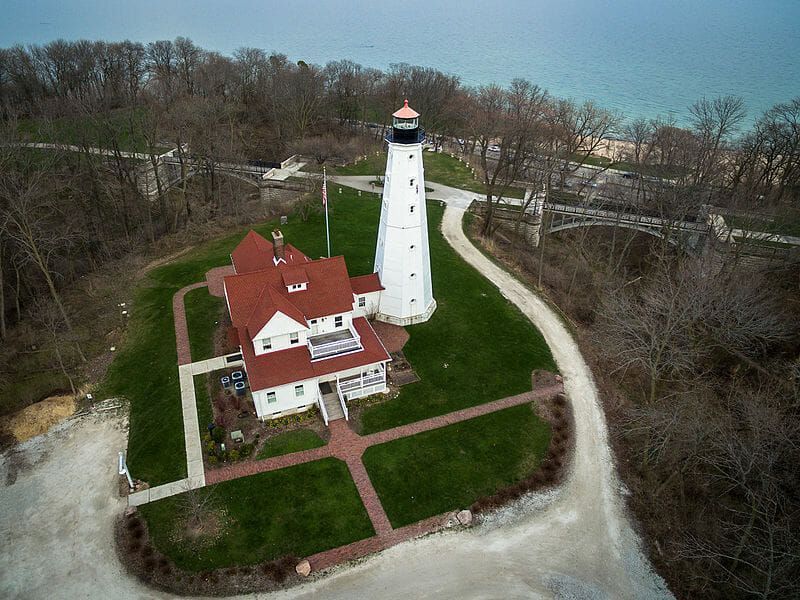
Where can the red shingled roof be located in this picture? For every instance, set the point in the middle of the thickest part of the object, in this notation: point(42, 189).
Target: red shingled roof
point(285, 366)
point(255, 253)
point(364, 284)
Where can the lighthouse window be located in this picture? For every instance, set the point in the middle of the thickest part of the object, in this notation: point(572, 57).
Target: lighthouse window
point(411, 247)
point(411, 208)
point(413, 275)
point(411, 156)
point(411, 184)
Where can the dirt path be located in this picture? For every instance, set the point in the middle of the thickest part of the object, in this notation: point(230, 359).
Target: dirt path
point(58, 498)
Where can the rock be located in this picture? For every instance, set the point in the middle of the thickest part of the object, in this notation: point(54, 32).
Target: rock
point(464, 517)
point(303, 568)
point(130, 511)
point(559, 379)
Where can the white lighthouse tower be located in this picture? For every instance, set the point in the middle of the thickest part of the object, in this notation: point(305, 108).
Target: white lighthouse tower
point(402, 256)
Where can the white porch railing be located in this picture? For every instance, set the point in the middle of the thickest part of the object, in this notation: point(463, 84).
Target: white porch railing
point(330, 349)
point(322, 408)
point(362, 385)
point(341, 400)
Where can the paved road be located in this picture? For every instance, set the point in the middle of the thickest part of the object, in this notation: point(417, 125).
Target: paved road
point(577, 543)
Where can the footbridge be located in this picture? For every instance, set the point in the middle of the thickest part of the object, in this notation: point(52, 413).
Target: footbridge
point(695, 234)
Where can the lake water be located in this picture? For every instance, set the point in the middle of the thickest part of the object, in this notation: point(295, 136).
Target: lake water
point(640, 57)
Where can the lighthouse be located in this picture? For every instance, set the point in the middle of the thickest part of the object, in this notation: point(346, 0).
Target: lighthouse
point(402, 255)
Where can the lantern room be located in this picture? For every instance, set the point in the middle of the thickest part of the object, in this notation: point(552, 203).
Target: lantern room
point(405, 126)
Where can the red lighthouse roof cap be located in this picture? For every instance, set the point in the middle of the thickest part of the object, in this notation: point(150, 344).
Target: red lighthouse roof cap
point(406, 112)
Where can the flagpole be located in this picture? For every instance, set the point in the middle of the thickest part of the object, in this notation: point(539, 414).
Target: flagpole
point(325, 202)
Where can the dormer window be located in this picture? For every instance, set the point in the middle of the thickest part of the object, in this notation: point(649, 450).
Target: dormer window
point(266, 344)
point(294, 338)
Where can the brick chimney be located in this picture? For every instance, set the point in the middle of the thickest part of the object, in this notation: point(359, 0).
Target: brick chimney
point(277, 246)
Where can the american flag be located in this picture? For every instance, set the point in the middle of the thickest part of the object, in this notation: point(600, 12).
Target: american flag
point(324, 188)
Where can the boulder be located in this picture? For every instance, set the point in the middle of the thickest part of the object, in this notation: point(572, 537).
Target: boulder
point(303, 568)
point(130, 511)
point(464, 517)
point(559, 379)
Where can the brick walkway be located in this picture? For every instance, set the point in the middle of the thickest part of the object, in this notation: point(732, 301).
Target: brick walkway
point(214, 279)
point(181, 328)
point(348, 446)
point(345, 444)
point(393, 337)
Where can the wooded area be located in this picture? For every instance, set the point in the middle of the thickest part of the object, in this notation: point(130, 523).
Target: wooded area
point(701, 359)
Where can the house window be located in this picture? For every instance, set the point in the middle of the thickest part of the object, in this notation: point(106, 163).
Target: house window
point(299, 391)
point(313, 321)
point(294, 338)
point(266, 344)
point(362, 301)
point(271, 399)
point(337, 321)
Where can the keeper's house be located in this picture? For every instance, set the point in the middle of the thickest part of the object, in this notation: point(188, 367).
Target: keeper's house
point(302, 328)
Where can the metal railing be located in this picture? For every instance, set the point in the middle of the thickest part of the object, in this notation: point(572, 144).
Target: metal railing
point(330, 349)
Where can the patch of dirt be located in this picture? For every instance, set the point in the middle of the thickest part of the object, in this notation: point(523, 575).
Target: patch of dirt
point(38, 418)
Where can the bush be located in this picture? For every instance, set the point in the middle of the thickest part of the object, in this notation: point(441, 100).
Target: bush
point(218, 434)
point(246, 450)
point(233, 455)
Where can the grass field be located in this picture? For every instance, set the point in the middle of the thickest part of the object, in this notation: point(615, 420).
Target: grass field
point(449, 468)
point(299, 510)
point(203, 312)
point(290, 441)
point(477, 347)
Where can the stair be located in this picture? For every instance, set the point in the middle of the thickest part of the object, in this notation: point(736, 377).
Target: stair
point(333, 406)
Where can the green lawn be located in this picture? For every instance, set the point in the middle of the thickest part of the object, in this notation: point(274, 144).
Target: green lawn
point(299, 510)
point(203, 312)
point(439, 168)
point(202, 399)
point(449, 468)
point(477, 347)
point(290, 441)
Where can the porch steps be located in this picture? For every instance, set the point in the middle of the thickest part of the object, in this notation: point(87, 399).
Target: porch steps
point(333, 406)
